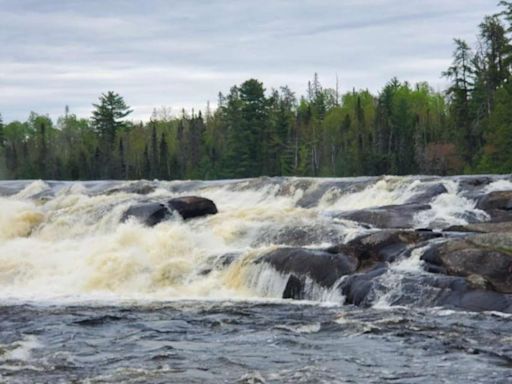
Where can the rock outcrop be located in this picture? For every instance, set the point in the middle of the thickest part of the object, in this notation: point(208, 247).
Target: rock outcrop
point(486, 258)
point(498, 205)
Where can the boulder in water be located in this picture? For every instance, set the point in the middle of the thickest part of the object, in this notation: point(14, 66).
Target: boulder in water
point(321, 267)
point(149, 214)
point(152, 213)
point(357, 288)
point(491, 227)
point(192, 206)
point(488, 256)
point(496, 200)
point(324, 268)
point(425, 196)
point(498, 205)
point(383, 246)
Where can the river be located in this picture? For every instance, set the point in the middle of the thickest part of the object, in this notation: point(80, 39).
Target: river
point(86, 296)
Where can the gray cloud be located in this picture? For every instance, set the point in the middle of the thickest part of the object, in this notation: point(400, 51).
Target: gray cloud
point(181, 53)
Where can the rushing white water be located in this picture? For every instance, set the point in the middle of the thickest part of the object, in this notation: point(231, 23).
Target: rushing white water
point(387, 191)
point(66, 240)
point(392, 280)
point(449, 208)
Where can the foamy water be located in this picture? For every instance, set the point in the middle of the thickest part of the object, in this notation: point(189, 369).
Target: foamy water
point(66, 240)
point(85, 297)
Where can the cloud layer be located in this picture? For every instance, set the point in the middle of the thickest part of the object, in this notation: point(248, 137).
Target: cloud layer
point(182, 53)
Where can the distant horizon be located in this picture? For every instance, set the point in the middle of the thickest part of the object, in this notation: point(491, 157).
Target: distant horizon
point(180, 55)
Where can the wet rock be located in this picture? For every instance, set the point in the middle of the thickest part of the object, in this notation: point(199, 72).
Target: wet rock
point(382, 246)
point(149, 214)
point(429, 193)
point(365, 255)
point(475, 300)
point(336, 188)
point(192, 206)
point(152, 213)
point(488, 256)
point(490, 227)
point(299, 235)
point(357, 288)
point(474, 181)
point(295, 288)
point(141, 187)
point(496, 200)
point(425, 290)
point(390, 216)
point(498, 205)
point(324, 268)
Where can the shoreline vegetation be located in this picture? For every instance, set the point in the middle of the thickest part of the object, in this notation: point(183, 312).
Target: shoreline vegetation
point(404, 129)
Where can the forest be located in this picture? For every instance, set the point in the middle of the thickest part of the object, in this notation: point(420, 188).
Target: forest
point(253, 131)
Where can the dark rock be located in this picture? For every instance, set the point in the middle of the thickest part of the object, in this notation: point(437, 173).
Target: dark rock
point(492, 227)
point(152, 213)
point(426, 196)
point(336, 188)
point(382, 246)
point(147, 213)
point(488, 256)
point(475, 300)
point(390, 216)
point(294, 288)
point(474, 181)
point(324, 268)
point(357, 288)
point(496, 200)
point(192, 206)
point(498, 205)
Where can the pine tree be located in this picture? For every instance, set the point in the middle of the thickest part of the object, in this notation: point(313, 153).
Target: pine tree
point(165, 173)
point(108, 114)
point(461, 72)
point(2, 137)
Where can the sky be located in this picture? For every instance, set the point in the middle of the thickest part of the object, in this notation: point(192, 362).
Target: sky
point(180, 54)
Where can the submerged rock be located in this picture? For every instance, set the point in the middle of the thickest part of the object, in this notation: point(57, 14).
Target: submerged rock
point(427, 290)
point(390, 216)
point(299, 235)
point(141, 187)
point(149, 214)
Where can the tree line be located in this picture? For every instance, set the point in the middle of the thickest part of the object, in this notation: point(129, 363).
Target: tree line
point(404, 129)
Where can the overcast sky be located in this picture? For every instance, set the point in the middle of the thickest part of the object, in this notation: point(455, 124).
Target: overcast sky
point(182, 53)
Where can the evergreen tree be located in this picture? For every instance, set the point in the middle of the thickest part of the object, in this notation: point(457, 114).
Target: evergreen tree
point(461, 72)
point(108, 114)
point(2, 137)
